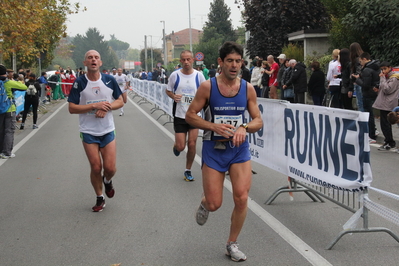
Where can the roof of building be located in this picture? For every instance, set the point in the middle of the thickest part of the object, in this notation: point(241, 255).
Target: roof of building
point(183, 37)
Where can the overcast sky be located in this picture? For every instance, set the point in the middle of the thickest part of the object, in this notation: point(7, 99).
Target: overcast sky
point(130, 20)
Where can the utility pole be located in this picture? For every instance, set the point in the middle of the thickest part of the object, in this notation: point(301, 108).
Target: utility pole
point(165, 54)
point(189, 25)
point(145, 52)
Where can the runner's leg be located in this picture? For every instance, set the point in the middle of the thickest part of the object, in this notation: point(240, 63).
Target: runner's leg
point(241, 178)
point(93, 155)
point(191, 147)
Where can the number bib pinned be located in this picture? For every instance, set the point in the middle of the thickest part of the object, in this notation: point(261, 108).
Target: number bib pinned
point(235, 120)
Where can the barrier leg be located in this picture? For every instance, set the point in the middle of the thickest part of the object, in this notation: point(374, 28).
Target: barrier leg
point(365, 229)
point(295, 188)
point(369, 230)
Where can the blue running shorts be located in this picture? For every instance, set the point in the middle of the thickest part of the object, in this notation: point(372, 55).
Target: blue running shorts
point(100, 140)
point(221, 159)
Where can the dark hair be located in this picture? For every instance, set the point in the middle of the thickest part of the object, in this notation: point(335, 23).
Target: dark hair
point(355, 51)
point(393, 117)
point(365, 56)
point(259, 63)
point(385, 64)
point(315, 65)
point(15, 76)
point(229, 48)
point(32, 75)
point(344, 58)
point(44, 73)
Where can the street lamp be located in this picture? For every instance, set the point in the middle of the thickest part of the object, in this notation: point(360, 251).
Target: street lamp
point(152, 55)
point(189, 25)
point(164, 44)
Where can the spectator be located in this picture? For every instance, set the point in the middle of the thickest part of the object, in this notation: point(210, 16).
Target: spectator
point(334, 69)
point(212, 71)
point(355, 52)
point(31, 99)
point(10, 74)
point(288, 91)
point(281, 59)
point(205, 72)
point(155, 74)
point(143, 75)
point(256, 77)
point(387, 100)
point(7, 119)
point(316, 84)
point(368, 79)
point(245, 74)
point(149, 76)
point(346, 96)
point(298, 80)
point(43, 84)
point(274, 67)
point(264, 83)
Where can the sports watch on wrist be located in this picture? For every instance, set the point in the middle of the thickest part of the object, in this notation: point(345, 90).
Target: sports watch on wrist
point(245, 125)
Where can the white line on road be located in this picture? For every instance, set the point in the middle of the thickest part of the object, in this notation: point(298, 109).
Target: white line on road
point(297, 243)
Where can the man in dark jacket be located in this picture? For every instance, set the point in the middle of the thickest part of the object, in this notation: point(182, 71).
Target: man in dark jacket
point(298, 80)
point(368, 79)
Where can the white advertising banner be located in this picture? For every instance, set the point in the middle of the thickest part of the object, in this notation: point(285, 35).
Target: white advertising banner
point(317, 145)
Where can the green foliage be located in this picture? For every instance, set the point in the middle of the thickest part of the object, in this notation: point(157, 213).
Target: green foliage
point(93, 40)
point(324, 60)
point(218, 29)
point(270, 22)
point(157, 56)
point(219, 22)
point(293, 51)
point(118, 45)
point(63, 62)
point(376, 21)
point(133, 55)
point(210, 49)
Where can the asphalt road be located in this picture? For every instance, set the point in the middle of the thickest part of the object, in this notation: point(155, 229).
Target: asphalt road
point(46, 217)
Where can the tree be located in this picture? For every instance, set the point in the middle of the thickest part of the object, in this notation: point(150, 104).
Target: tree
point(119, 47)
point(93, 40)
point(341, 35)
point(375, 21)
point(157, 53)
point(270, 22)
point(31, 29)
point(218, 29)
point(219, 20)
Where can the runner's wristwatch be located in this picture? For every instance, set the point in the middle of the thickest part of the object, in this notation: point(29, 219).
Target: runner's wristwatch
point(245, 125)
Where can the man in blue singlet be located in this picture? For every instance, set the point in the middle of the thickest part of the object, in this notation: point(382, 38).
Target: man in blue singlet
point(182, 87)
point(94, 96)
point(225, 147)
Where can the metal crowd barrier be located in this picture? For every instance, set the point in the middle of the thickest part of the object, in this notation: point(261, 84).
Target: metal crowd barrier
point(355, 202)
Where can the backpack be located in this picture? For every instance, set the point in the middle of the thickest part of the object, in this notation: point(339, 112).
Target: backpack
point(31, 90)
point(5, 102)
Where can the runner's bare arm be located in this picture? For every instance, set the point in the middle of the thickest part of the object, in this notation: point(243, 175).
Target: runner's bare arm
point(103, 106)
point(253, 110)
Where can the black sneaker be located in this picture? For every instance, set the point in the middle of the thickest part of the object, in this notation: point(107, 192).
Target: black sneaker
point(21, 127)
point(385, 147)
point(109, 189)
point(100, 204)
